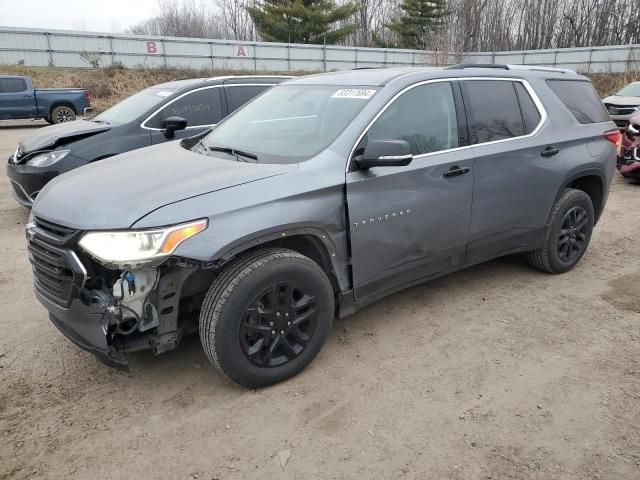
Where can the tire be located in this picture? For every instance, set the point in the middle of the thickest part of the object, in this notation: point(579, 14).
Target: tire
point(568, 233)
point(245, 316)
point(48, 120)
point(62, 114)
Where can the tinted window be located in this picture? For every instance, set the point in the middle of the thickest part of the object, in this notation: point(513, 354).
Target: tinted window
point(201, 107)
point(425, 116)
point(239, 95)
point(12, 85)
point(581, 99)
point(530, 114)
point(493, 110)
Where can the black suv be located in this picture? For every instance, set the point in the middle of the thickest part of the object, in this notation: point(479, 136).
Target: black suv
point(163, 112)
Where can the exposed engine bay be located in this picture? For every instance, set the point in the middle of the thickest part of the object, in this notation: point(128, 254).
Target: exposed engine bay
point(148, 307)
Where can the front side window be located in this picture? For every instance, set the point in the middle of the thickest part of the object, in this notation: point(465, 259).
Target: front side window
point(198, 108)
point(492, 109)
point(238, 95)
point(290, 123)
point(12, 85)
point(424, 116)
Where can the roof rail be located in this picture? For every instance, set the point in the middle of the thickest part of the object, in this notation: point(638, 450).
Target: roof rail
point(461, 66)
point(541, 68)
point(497, 66)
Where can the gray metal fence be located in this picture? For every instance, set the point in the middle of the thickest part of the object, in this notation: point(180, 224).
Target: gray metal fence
point(62, 48)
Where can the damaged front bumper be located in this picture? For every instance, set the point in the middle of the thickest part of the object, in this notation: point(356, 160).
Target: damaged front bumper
point(91, 306)
point(82, 325)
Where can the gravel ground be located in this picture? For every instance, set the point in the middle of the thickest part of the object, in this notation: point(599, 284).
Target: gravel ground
point(496, 372)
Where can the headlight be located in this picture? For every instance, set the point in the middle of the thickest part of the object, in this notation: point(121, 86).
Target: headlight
point(47, 158)
point(138, 246)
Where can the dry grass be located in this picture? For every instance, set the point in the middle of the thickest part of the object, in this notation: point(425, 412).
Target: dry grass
point(112, 84)
point(609, 83)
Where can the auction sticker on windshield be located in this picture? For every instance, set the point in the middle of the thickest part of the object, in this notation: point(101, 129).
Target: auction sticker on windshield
point(363, 93)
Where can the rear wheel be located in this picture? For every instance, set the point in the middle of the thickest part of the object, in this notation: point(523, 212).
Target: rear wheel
point(62, 114)
point(266, 316)
point(568, 233)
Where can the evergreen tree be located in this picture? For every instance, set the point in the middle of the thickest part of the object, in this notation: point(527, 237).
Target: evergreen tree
point(303, 21)
point(419, 19)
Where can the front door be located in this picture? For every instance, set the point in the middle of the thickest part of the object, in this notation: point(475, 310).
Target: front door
point(201, 108)
point(409, 223)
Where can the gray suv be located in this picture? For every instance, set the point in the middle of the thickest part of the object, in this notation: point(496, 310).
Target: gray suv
point(315, 199)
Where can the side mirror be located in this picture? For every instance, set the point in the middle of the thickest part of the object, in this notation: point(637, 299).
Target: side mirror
point(172, 125)
point(385, 153)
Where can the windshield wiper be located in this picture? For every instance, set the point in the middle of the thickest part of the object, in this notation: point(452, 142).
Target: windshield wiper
point(233, 151)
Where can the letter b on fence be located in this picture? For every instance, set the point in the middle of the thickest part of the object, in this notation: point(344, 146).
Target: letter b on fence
point(152, 48)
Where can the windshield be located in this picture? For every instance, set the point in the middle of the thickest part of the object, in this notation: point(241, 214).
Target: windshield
point(133, 107)
point(289, 123)
point(631, 90)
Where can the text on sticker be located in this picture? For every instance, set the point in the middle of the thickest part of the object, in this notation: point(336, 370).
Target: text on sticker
point(363, 93)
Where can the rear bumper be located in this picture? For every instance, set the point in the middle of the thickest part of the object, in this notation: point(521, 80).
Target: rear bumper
point(87, 110)
point(83, 325)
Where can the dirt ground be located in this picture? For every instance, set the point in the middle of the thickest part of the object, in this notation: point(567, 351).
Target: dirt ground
point(496, 372)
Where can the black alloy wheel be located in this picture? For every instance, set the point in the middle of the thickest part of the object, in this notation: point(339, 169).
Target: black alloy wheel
point(573, 234)
point(278, 324)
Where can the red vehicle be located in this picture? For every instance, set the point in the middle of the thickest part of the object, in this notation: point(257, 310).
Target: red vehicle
point(629, 159)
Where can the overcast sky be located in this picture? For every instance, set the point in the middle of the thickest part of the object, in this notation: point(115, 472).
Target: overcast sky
point(95, 15)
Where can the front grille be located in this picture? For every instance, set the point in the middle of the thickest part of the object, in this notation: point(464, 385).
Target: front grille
point(58, 231)
point(58, 274)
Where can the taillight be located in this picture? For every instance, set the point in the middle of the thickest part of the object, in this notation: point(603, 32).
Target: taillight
point(87, 96)
point(614, 136)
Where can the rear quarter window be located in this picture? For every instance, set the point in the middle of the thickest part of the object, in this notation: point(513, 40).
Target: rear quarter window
point(581, 99)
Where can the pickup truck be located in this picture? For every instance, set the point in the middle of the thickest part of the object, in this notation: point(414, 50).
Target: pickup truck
point(19, 100)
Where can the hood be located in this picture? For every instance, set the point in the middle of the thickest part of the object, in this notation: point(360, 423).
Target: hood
point(56, 135)
point(116, 192)
point(618, 100)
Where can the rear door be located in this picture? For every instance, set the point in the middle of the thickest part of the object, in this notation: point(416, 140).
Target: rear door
point(514, 185)
point(408, 223)
point(16, 99)
point(202, 108)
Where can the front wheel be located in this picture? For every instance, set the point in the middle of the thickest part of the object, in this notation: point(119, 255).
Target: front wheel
point(266, 316)
point(62, 114)
point(568, 233)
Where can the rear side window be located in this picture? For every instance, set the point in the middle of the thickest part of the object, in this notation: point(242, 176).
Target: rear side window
point(493, 110)
point(530, 114)
point(424, 116)
point(198, 108)
point(581, 99)
point(238, 95)
point(12, 85)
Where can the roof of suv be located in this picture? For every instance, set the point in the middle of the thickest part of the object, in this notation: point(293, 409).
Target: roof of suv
point(382, 76)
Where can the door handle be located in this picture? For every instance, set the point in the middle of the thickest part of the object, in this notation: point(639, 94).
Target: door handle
point(456, 171)
point(550, 152)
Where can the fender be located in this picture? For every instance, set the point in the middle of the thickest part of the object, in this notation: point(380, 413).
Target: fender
point(284, 234)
